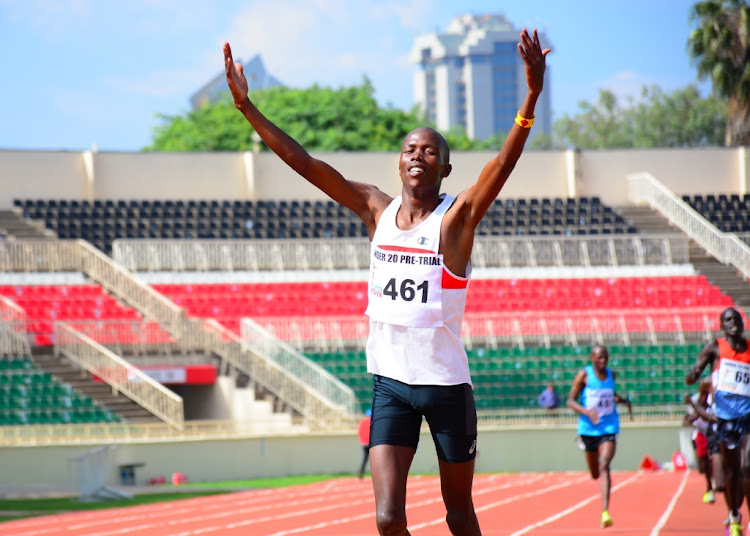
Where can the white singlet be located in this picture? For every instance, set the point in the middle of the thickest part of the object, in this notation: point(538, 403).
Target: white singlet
point(415, 304)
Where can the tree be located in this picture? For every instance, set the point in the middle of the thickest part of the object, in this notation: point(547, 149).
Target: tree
point(720, 47)
point(656, 119)
point(321, 119)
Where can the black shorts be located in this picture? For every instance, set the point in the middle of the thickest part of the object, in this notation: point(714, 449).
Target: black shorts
point(712, 438)
point(591, 442)
point(398, 408)
point(731, 431)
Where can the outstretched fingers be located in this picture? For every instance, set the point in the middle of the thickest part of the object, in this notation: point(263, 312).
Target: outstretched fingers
point(227, 56)
point(235, 76)
point(534, 58)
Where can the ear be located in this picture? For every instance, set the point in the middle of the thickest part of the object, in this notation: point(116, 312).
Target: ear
point(447, 170)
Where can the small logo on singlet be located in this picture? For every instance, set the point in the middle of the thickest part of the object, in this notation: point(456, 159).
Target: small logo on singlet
point(473, 447)
point(422, 240)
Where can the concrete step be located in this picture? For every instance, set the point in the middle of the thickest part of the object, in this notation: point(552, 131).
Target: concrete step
point(65, 371)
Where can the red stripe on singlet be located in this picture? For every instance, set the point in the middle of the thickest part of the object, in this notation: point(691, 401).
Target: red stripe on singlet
point(406, 250)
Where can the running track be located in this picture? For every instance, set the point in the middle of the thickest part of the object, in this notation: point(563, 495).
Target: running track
point(643, 503)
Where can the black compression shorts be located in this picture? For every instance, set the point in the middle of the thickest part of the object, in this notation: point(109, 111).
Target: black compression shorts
point(398, 408)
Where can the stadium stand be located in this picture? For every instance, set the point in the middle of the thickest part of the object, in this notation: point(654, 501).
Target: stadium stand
point(103, 221)
point(728, 212)
point(552, 275)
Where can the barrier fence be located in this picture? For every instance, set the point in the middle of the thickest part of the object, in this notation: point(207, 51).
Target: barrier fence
point(530, 328)
point(127, 433)
point(342, 254)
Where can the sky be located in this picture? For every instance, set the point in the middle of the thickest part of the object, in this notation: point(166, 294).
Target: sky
point(79, 74)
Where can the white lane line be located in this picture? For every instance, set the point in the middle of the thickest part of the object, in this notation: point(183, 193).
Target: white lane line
point(531, 478)
point(573, 508)
point(515, 498)
point(668, 512)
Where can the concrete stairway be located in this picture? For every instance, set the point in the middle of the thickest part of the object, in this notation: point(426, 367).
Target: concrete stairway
point(13, 224)
point(726, 277)
point(65, 371)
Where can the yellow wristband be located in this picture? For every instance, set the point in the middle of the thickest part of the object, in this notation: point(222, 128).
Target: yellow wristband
point(523, 122)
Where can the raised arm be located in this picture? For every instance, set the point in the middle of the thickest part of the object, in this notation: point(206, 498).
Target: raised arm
point(364, 199)
point(477, 198)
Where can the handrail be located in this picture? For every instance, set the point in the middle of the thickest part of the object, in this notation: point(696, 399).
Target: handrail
point(121, 375)
point(256, 358)
point(190, 333)
point(257, 340)
point(725, 247)
point(13, 339)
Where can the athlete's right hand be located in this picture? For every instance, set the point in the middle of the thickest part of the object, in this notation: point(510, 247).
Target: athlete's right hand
point(235, 77)
point(593, 415)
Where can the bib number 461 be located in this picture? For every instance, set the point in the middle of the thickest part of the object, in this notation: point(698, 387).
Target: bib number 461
point(407, 291)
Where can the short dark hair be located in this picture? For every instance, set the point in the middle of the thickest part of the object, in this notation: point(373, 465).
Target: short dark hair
point(445, 151)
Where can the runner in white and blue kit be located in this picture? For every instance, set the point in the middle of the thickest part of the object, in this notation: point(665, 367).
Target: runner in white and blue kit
point(594, 398)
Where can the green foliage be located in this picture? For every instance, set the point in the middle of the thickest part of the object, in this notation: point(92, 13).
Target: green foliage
point(217, 127)
point(657, 119)
point(719, 46)
point(320, 119)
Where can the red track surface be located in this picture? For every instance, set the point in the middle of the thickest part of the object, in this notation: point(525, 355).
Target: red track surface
point(643, 503)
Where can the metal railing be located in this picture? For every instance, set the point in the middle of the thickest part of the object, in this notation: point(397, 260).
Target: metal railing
point(13, 339)
point(191, 334)
point(135, 433)
point(343, 254)
point(530, 328)
point(118, 373)
point(283, 372)
point(308, 375)
point(726, 247)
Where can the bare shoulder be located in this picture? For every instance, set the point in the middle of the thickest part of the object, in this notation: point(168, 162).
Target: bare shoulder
point(375, 199)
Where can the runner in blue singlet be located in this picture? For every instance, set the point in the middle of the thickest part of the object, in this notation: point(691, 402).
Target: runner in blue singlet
point(593, 397)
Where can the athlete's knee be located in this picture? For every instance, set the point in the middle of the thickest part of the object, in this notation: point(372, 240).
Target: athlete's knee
point(390, 523)
point(462, 522)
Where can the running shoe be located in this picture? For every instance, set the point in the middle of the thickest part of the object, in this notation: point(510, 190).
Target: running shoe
point(607, 520)
point(735, 529)
point(709, 497)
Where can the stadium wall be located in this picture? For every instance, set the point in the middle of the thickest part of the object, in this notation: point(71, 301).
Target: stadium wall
point(532, 448)
point(111, 175)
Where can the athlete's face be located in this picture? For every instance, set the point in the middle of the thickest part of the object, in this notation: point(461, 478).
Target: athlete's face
point(599, 357)
point(422, 163)
point(731, 323)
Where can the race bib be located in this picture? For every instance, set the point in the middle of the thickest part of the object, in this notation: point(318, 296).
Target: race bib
point(406, 288)
point(734, 377)
point(603, 400)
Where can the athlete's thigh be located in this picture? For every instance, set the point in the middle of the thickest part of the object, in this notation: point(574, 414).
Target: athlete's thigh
point(389, 466)
point(607, 450)
point(394, 419)
point(451, 413)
